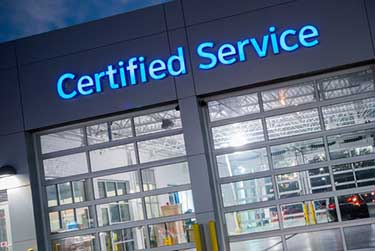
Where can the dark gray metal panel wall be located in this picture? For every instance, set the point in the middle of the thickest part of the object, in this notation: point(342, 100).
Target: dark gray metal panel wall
point(92, 35)
point(7, 55)
point(344, 39)
point(370, 4)
point(10, 104)
point(198, 11)
point(43, 107)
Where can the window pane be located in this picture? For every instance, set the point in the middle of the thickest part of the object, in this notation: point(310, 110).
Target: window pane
point(65, 193)
point(360, 237)
point(244, 162)
point(83, 218)
point(157, 122)
point(116, 185)
point(67, 220)
point(247, 191)
point(54, 222)
point(293, 124)
point(127, 239)
point(159, 177)
point(347, 84)
point(250, 221)
point(170, 204)
point(357, 206)
point(266, 244)
point(97, 133)
point(233, 107)
point(238, 134)
point(107, 158)
point(64, 166)
point(51, 195)
point(306, 182)
point(308, 213)
point(121, 129)
point(298, 153)
point(62, 140)
point(79, 191)
point(83, 242)
point(120, 212)
point(327, 240)
point(288, 96)
point(161, 148)
point(171, 233)
point(351, 113)
point(351, 145)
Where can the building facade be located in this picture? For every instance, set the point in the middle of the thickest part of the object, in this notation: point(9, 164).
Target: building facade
point(253, 120)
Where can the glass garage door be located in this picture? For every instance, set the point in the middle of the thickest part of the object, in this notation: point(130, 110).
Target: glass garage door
point(117, 184)
point(294, 164)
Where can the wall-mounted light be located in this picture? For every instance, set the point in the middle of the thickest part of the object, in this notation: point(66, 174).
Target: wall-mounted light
point(7, 170)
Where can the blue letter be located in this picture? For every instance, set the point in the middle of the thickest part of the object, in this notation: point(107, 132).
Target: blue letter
point(283, 43)
point(142, 69)
point(81, 85)
point(180, 59)
point(230, 51)
point(98, 85)
point(307, 32)
point(60, 87)
point(208, 55)
point(110, 72)
point(241, 50)
point(275, 46)
point(153, 70)
point(262, 52)
point(131, 68)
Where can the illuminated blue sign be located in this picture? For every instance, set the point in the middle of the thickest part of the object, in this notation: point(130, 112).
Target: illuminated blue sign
point(138, 70)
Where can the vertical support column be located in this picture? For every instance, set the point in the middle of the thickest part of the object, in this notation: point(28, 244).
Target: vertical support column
point(201, 178)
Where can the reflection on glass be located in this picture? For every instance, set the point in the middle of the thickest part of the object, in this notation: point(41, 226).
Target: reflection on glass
point(113, 157)
point(357, 206)
point(65, 193)
point(62, 140)
point(51, 195)
point(121, 129)
point(247, 191)
point(327, 240)
point(251, 221)
point(308, 213)
point(288, 96)
point(170, 204)
point(128, 239)
point(116, 185)
point(159, 177)
point(265, 244)
point(238, 134)
point(97, 133)
point(64, 166)
point(298, 153)
point(233, 107)
point(360, 237)
point(81, 243)
point(295, 123)
point(307, 182)
point(351, 144)
point(356, 174)
point(73, 219)
point(351, 113)
point(120, 212)
point(157, 122)
point(54, 221)
point(79, 191)
point(244, 162)
point(347, 84)
point(171, 233)
point(161, 148)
